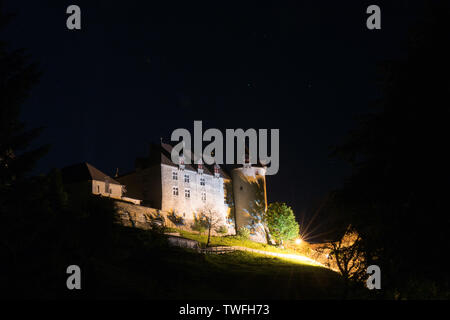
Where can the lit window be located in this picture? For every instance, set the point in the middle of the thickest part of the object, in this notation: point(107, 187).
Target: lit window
point(175, 191)
point(186, 178)
point(216, 171)
point(174, 175)
point(202, 181)
point(187, 193)
point(181, 167)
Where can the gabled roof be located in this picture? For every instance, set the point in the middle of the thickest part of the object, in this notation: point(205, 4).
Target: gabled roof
point(84, 172)
point(166, 150)
point(166, 158)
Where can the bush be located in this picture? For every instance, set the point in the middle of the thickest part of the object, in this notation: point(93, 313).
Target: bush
point(243, 233)
point(158, 226)
point(200, 224)
point(222, 229)
point(176, 219)
point(157, 223)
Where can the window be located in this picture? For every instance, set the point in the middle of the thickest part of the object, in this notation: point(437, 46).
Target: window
point(202, 181)
point(203, 196)
point(187, 193)
point(181, 164)
point(174, 175)
point(175, 191)
point(98, 189)
point(186, 178)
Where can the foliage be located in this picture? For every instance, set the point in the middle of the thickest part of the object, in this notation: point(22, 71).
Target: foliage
point(157, 223)
point(347, 256)
point(17, 77)
point(200, 224)
point(257, 207)
point(232, 241)
point(175, 218)
point(222, 229)
point(211, 218)
point(281, 222)
point(229, 200)
point(395, 198)
point(243, 233)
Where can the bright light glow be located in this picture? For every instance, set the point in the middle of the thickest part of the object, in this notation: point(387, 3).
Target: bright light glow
point(298, 241)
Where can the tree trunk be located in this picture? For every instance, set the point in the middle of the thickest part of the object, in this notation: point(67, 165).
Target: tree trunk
point(209, 236)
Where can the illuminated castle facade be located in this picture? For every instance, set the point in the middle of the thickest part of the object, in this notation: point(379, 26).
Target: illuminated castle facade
point(187, 189)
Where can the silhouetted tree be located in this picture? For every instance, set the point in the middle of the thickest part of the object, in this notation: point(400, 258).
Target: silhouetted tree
point(17, 76)
point(396, 198)
point(19, 196)
point(347, 256)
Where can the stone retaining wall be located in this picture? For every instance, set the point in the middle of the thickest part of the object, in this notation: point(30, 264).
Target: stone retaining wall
point(137, 216)
point(132, 215)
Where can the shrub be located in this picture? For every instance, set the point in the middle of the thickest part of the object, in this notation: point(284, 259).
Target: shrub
point(157, 223)
point(243, 233)
point(200, 224)
point(176, 219)
point(158, 226)
point(222, 229)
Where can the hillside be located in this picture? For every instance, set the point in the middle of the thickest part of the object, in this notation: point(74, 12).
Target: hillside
point(174, 273)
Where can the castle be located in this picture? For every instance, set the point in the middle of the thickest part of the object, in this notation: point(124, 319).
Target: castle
point(184, 190)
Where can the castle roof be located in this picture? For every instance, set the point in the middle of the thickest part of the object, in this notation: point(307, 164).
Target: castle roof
point(166, 150)
point(84, 172)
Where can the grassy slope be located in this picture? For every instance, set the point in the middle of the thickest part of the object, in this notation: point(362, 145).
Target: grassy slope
point(174, 273)
point(234, 241)
point(243, 275)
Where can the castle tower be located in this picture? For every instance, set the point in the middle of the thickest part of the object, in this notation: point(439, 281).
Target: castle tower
point(250, 199)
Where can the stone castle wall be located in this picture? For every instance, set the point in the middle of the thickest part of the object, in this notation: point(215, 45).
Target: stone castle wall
point(137, 216)
point(141, 217)
point(212, 190)
point(210, 195)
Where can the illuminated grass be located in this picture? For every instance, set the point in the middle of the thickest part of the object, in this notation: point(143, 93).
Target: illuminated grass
point(142, 267)
point(235, 241)
point(248, 275)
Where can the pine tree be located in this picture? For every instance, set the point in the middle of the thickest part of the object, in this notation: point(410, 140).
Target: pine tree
point(17, 76)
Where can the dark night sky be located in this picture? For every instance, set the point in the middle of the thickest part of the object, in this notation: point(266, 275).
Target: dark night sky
point(138, 70)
